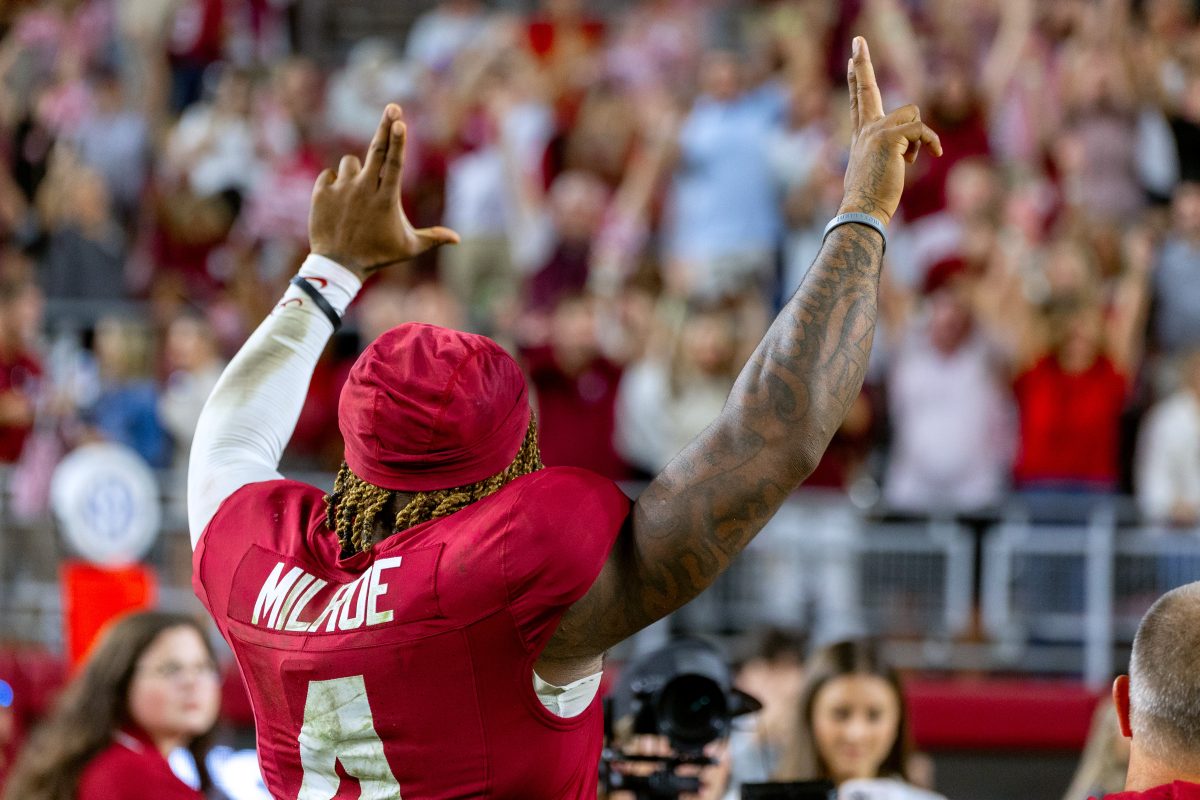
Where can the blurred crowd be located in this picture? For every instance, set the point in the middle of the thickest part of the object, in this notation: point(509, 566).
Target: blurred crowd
point(637, 192)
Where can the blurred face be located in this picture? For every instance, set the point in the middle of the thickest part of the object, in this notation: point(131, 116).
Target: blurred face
point(953, 99)
point(1060, 19)
point(189, 345)
point(708, 342)
point(777, 685)
point(720, 77)
point(175, 693)
point(1165, 17)
point(1185, 208)
point(23, 315)
point(114, 347)
point(432, 304)
point(1191, 373)
point(1190, 102)
point(299, 88)
point(92, 204)
point(562, 9)
point(970, 189)
point(1025, 208)
point(234, 94)
point(1082, 339)
point(573, 334)
point(949, 318)
point(855, 720)
point(807, 102)
point(1067, 269)
point(7, 727)
point(577, 202)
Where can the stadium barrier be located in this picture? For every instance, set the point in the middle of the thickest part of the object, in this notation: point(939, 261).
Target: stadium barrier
point(1025, 591)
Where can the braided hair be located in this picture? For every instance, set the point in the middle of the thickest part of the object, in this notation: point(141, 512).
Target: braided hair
point(355, 505)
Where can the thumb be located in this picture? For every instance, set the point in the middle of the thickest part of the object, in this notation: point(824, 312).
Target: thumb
point(438, 235)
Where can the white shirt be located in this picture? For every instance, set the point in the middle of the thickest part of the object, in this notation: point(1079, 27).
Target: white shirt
point(229, 159)
point(1167, 469)
point(954, 427)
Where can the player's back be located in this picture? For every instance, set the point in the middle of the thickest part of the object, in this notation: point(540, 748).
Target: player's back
point(407, 670)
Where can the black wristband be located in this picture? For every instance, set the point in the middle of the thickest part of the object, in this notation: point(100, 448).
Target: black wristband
point(319, 299)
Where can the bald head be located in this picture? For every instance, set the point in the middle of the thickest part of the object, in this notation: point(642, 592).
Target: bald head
point(1164, 678)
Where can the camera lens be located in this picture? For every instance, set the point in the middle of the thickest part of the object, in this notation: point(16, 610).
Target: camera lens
point(692, 710)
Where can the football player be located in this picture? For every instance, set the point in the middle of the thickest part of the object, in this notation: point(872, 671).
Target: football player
point(435, 627)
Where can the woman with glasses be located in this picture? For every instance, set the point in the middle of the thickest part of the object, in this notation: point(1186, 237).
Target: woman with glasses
point(149, 688)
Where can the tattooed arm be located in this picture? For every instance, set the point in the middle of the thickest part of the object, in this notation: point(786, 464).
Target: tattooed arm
point(788, 401)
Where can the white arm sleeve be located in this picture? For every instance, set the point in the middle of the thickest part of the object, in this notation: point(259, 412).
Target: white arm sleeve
point(252, 412)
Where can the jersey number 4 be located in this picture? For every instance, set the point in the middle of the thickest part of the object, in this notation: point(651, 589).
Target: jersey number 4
point(338, 726)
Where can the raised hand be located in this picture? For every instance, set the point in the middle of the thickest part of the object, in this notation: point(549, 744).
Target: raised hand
point(880, 145)
point(356, 218)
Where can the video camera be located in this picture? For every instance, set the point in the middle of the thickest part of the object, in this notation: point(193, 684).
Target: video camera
point(684, 693)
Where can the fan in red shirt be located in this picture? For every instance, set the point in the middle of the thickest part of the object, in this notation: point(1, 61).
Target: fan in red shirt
point(149, 690)
point(1071, 397)
point(20, 369)
point(435, 626)
point(1157, 706)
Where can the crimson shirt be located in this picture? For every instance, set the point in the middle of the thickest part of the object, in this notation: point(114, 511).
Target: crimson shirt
point(1179, 790)
point(408, 668)
point(132, 768)
point(19, 373)
point(1069, 424)
point(576, 413)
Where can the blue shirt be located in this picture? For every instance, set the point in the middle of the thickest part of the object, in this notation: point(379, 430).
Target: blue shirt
point(1177, 296)
point(128, 414)
point(724, 198)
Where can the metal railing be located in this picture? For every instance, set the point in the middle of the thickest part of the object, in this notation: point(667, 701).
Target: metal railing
point(1063, 597)
point(820, 565)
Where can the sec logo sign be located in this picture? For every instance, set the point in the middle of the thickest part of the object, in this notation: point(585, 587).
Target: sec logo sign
point(106, 501)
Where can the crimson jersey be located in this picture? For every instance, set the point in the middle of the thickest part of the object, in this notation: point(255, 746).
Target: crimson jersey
point(1179, 790)
point(407, 670)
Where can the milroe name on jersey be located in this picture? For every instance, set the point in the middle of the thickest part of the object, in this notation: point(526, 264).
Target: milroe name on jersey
point(285, 596)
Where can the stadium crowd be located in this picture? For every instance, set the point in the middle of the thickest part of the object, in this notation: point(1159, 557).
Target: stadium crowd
point(636, 194)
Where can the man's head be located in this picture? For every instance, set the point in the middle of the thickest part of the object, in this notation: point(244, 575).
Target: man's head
point(1158, 703)
point(1185, 209)
point(21, 309)
point(951, 317)
point(432, 417)
point(191, 345)
point(972, 189)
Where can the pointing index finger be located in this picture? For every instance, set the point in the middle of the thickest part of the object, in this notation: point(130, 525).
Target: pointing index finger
point(377, 152)
point(854, 123)
point(870, 104)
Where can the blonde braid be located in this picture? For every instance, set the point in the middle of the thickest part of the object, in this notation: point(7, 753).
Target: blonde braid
point(354, 506)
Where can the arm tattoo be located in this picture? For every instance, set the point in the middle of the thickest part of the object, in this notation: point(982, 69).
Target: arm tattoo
point(713, 497)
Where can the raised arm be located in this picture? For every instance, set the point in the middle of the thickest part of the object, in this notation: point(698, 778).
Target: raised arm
point(710, 501)
point(356, 226)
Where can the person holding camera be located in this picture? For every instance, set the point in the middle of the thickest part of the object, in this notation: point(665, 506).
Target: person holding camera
point(436, 625)
point(852, 727)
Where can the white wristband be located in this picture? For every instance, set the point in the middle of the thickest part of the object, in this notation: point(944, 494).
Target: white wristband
point(337, 284)
point(861, 219)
